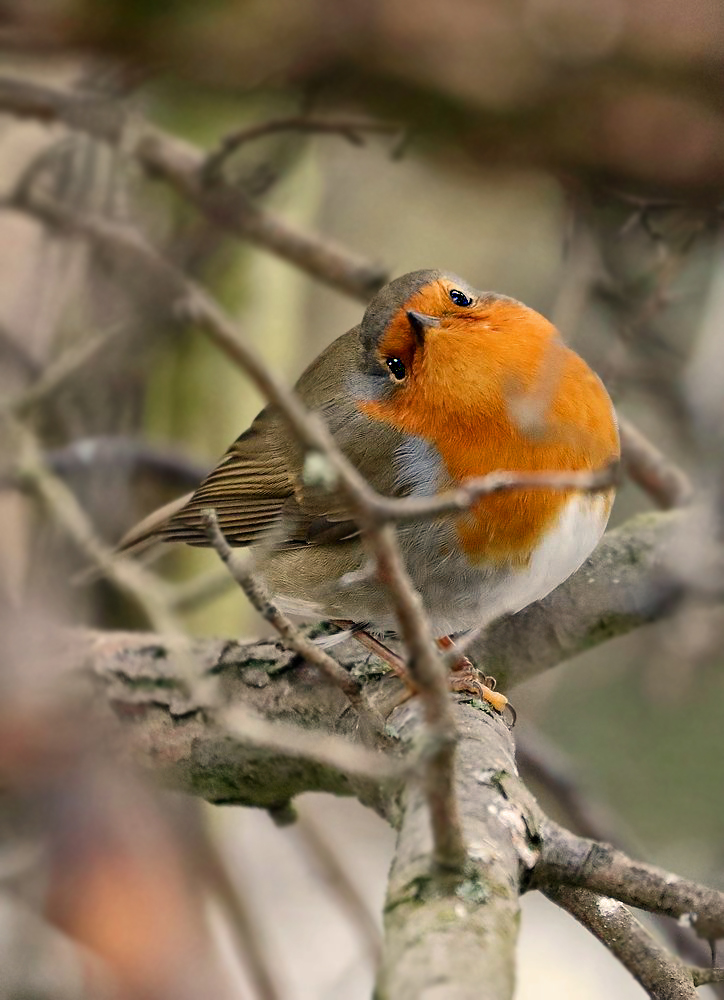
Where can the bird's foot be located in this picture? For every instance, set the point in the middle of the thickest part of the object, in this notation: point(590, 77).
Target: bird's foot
point(464, 676)
point(471, 681)
point(467, 678)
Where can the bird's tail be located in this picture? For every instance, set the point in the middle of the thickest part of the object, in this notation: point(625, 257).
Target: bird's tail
point(150, 529)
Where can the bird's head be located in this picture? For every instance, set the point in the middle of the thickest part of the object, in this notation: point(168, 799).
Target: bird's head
point(432, 342)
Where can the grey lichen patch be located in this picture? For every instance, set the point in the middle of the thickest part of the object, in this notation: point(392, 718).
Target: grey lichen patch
point(154, 652)
point(473, 890)
point(482, 706)
point(370, 668)
point(146, 682)
point(419, 889)
point(608, 627)
point(257, 664)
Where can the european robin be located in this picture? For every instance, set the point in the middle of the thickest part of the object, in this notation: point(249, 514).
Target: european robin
point(438, 383)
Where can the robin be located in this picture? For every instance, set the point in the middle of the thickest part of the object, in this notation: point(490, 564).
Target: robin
point(437, 384)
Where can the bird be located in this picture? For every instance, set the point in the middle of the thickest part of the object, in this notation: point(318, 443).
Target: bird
point(439, 383)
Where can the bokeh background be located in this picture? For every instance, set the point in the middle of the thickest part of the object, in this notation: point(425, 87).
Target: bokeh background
point(567, 153)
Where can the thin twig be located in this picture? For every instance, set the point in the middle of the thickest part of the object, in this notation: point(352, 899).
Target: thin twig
point(349, 128)
point(312, 653)
point(463, 497)
point(428, 673)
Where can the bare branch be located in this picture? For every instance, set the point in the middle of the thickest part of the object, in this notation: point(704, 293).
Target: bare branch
point(575, 861)
point(657, 475)
point(428, 673)
point(662, 976)
point(469, 492)
point(348, 127)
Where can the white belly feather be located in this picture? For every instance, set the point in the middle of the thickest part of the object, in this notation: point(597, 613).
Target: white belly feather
point(459, 596)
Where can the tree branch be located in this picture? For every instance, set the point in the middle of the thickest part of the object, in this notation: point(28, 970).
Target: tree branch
point(141, 670)
point(571, 860)
point(462, 932)
point(662, 976)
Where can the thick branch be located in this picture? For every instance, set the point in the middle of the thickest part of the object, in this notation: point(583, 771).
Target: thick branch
point(624, 584)
point(449, 939)
point(205, 742)
point(142, 672)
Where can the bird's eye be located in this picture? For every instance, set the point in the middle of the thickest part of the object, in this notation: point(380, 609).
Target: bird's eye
point(460, 298)
point(397, 368)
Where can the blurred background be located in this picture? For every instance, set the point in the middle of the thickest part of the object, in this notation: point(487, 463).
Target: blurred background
point(564, 152)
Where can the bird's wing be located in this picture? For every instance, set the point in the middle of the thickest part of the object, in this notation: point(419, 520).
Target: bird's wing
point(258, 485)
point(247, 489)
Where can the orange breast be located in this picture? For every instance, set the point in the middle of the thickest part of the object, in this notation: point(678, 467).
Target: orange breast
point(500, 391)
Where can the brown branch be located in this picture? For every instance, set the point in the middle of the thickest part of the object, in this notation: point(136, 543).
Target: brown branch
point(348, 127)
point(566, 859)
point(657, 475)
point(550, 767)
point(662, 976)
point(428, 673)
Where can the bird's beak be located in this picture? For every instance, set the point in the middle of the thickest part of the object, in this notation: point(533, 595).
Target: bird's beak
point(420, 323)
